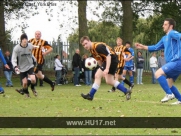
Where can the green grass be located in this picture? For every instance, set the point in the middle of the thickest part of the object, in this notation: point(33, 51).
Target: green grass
point(65, 101)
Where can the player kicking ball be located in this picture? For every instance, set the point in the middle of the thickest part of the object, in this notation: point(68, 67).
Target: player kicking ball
point(108, 62)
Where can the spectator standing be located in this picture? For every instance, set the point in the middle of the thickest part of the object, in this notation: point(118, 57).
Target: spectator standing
point(76, 63)
point(161, 60)
point(153, 66)
point(87, 72)
point(58, 69)
point(8, 72)
point(140, 63)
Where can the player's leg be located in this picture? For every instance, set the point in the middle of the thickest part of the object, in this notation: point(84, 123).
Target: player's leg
point(131, 77)
point(174, 90)
point(25, 86)
point(116, 77)
point(174, 75)
point(177, 95)
point(95, 86)
point(110, 80)
point(124, 73)
point(1, 90)
point(23, 78)
point(32, 81)
point(131, 85)
point(38, 72)
point(160, 74)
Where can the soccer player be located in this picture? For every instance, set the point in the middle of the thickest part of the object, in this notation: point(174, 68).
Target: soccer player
point(40, 52)
point(22, 60)
point(108, 62)
point(129, 65)
point(5, 65)
point(168, 73)
point(120, 51)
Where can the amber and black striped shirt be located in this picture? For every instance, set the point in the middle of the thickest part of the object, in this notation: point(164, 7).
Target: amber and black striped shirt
point(37, 52)
point(100, 51)
point(121, 51)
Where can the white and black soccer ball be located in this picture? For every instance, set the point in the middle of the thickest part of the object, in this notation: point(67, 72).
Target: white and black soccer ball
point(90, 63)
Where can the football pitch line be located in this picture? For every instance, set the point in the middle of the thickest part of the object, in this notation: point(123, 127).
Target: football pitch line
point(152, 102)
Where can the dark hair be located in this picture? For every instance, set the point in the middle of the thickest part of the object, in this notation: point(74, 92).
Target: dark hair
point(128, 43)
point(139, 52)
point(171, 22)
point(56, 56)
point(23, 36)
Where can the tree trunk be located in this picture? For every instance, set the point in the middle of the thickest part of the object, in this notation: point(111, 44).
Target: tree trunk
point(2, 28)
point(127, 27)
point(82, 20)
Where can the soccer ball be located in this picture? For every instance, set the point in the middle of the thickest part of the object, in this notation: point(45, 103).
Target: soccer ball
point(90, 63)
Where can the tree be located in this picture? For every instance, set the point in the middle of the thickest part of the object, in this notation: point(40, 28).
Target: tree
point(12, 10)
point(83, 31)
point(2, 26)
point(98, 32)
point(127, 24)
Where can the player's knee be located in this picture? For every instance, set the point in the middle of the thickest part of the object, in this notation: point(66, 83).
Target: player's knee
point(33, 81)
point(158, 73)
point(97, 76)
point(25, 84)
point(109, 82)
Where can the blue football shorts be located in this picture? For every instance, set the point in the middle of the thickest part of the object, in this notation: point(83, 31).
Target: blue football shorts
point(172, 69)
point(130, 68)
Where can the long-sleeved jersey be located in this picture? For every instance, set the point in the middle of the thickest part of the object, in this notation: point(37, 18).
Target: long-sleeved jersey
point(22, 57)
point(171, 43)
point(2, 57)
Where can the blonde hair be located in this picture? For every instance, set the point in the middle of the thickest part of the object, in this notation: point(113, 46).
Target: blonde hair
point(118, 38)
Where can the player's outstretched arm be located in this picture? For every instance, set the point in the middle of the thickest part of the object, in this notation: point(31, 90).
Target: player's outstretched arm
point(141, 46)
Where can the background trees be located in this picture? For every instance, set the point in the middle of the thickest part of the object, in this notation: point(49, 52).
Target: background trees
point(139, 21)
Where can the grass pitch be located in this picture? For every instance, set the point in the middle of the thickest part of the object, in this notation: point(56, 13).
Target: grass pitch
point(65, 101)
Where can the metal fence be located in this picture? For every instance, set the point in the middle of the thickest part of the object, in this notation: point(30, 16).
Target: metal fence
point(66, 51)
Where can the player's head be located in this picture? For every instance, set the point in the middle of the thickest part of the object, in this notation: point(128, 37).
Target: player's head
point(24, 39)
point(37, 35)
point(128, 44)
point(119, 41)
point(86, 42)
point(168, 25)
